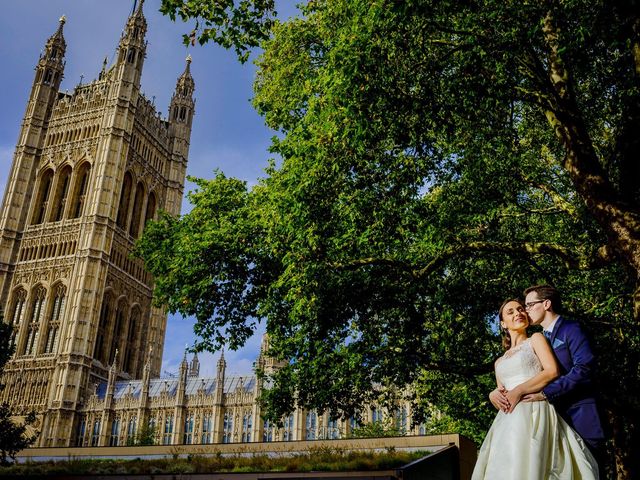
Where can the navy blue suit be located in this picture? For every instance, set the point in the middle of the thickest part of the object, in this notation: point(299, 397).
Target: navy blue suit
point(572, 393)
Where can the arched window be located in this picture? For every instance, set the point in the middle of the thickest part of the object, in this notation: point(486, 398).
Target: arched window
point(118, 332)
point(227, 428)
point(42, 197)
point(131, 55)
point(131, 430)
point(80, 190)
point(17, 313)
point(376, 415)
point(81, 433)
point(267, 431)
point(188, 430)
point(125, 197)
point(333, 429)
point(48, 77)
point(55, 319)
point(37, 311)
point(99, 351)
point(131, 350)
point(311, 423)
point(353, 423)
point(60, 194)
point(95, 433)
point(207, 427)
point(168, 430)
point(115, 432)
point(134, 228)
point(151, 208)
point(288, 429)
point(401, 419)
point(247, 424)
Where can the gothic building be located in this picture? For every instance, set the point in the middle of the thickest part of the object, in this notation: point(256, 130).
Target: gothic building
point(90, 168)
point(188, 409)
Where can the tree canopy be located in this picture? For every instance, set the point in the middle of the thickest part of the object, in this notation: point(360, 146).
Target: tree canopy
point(435, 158)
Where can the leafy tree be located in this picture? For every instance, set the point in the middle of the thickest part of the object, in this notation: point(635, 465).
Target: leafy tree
point(230, 23)
point(376, 430)
point(12, 434)
point(437, 157)
point(146, 435)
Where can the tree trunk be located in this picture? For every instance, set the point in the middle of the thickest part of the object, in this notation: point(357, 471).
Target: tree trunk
point(625, 436)
point(620, 220)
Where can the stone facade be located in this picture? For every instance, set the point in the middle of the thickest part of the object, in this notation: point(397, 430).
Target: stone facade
point(189, 409)
point(90, 168)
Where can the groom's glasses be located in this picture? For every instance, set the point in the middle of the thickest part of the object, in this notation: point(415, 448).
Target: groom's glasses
point(529, 305)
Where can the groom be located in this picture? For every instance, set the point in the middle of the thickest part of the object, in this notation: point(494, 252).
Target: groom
point(572, 392)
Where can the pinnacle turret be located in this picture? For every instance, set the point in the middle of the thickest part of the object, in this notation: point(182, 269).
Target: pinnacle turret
point(194, 368)
point(49, 70)
point(185, 84)
point(132, 47)
point(58, 37)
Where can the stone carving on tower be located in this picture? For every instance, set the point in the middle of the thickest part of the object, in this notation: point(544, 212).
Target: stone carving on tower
point(90, 169)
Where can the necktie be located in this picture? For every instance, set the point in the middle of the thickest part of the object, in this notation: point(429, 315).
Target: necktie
point(547, 334)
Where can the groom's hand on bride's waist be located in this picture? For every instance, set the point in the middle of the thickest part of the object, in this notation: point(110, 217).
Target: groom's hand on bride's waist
point(534, 397)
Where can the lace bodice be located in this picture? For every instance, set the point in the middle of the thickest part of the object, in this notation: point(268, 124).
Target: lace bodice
point(518, 365)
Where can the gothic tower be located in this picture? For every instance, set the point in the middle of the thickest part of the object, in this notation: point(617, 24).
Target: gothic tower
point(90, 169)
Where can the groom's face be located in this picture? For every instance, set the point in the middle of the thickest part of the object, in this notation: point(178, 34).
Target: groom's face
point(535, 308)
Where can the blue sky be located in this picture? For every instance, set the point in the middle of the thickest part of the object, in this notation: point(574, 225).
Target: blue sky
point(227, 133)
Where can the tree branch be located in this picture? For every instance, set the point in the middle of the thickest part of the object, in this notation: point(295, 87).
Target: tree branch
point(576, 258)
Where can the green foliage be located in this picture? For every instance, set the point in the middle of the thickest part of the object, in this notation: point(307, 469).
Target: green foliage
point(377, 429)
point(13, 436)
point(437, 157)
point(146, 435)
point(208, 263)
point(316, 459)
point(240, 25)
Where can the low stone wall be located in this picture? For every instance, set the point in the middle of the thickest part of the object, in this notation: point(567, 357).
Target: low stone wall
point(466, 449)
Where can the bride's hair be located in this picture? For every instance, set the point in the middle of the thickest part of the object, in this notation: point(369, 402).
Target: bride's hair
point(504, 333)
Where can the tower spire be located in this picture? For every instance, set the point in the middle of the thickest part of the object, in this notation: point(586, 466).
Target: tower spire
point(50, 66)
point(132, 47)
point(138, 11)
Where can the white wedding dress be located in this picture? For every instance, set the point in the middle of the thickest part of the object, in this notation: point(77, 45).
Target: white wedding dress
point(532, 442)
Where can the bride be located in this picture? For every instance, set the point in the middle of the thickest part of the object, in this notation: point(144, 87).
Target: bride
point(528, 440)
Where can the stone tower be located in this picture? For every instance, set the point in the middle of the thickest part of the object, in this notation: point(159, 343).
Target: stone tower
point(90, 168)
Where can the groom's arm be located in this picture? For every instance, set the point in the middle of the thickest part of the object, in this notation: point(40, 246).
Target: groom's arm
point(582, 358)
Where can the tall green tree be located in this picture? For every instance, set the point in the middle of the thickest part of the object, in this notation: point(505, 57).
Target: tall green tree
point(436, 158)
point(13, 436)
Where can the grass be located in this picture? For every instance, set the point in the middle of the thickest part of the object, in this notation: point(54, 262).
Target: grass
point(318, 459)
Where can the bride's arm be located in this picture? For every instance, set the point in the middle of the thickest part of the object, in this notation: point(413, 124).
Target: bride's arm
point(550, 371)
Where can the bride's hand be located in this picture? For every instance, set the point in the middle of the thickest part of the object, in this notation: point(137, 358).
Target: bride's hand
point(513, 396)
point(499, 399)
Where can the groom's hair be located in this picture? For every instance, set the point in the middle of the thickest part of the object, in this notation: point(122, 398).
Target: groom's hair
point(547, 292)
